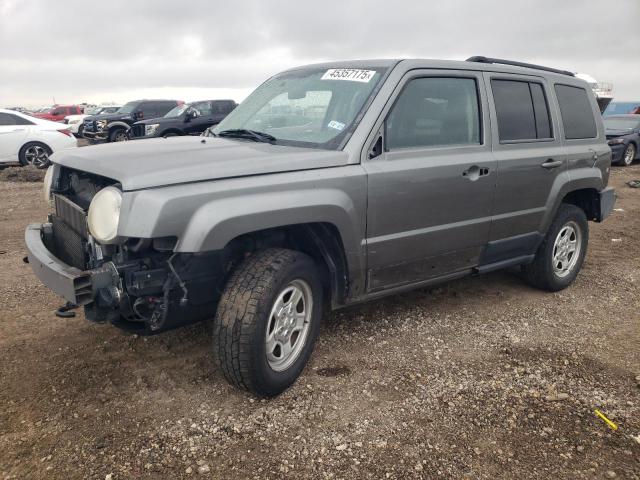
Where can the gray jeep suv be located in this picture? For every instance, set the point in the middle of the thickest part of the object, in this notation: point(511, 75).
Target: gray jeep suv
point(329, 185)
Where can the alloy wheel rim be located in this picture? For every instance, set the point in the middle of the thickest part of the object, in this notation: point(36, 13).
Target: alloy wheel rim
point(121, 137)
point(628, 155)
point(37, 156)
point(288, 325)
point(566, 249)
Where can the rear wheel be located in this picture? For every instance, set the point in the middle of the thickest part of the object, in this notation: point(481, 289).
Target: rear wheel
point(629, 155)
point(35, 154)
point(267, 321)
point(561, 254)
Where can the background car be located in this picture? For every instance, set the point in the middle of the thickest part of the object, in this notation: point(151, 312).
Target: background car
point(187, 119)
point(618, 108)
point(29, 141)
point(114, 127)
point(75, 122)
point(623, 136)
point(58, 112)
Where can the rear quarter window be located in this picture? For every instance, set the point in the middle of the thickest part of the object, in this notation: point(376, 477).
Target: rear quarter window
point(576, 112)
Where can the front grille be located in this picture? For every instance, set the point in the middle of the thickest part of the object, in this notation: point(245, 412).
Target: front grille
point(69, 224)
point(68, 245)
point(89, 126)
point(74, 216)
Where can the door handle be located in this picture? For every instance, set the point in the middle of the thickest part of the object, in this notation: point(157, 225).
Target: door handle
point(551, 163)
point(474, 172)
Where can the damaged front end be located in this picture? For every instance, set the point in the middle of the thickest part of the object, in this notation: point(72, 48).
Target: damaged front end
point(138, 284)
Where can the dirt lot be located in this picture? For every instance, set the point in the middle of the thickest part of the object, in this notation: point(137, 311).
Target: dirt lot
point(481, 378)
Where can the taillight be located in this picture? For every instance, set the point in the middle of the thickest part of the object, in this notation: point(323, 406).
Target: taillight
point(66, 131)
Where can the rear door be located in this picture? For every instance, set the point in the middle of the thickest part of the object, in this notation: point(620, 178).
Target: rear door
point(530, 157)
point(13, 132)
point(430, 188)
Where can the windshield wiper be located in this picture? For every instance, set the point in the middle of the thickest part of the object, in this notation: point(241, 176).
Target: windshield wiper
point(249, 134)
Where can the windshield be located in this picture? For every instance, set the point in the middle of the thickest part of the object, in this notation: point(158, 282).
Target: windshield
point(93, 110)
point(177, 111)
point(627, 123)
point(128, 107)
point(312, 107)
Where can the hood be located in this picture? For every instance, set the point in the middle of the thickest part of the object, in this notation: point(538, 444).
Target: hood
point(160, 162)
point(161, 120)
point(110, 116)
point(610, 132)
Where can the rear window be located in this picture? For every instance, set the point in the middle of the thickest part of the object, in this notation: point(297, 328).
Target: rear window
point(522, 111)
point(576, 112)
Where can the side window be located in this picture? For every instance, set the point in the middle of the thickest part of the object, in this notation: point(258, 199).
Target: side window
point(522, 111)
point(541, 111)
point(21, 121)
point(149, 110)
point(576, 112)
point(7, 119)
point(435, 111)
point(203, 108)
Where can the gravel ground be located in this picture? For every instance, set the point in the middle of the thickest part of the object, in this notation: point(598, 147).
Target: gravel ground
point(480, 378)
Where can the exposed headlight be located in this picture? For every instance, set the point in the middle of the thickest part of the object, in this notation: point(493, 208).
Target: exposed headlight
point(151, 129)
point(616, 141)
point(73, 122)
point(48, 182)
point(104, 215)
point(101, 124)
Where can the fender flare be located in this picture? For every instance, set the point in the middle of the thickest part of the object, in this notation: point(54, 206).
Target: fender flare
point(579, 179)
point(118, 124)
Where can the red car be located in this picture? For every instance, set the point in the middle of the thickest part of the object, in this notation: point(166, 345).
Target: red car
point(58, 112)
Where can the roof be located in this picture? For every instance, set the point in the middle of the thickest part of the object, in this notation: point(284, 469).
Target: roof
point(447, 65)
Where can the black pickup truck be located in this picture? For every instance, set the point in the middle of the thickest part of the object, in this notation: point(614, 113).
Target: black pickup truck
point(114, 127)
point(187, 119)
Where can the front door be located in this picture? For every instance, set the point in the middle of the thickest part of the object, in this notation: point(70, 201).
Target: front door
point(431, 186)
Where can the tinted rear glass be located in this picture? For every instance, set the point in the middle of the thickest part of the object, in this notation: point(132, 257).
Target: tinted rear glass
point(514, 108)
point(576, 112)
point(541, 111)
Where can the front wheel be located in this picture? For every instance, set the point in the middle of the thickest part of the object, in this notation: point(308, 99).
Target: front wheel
point(561, 254)
point(267, 321)
point(118, 135)
point(629, 155)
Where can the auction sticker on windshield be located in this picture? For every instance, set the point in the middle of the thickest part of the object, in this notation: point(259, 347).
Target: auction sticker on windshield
point(351, 74)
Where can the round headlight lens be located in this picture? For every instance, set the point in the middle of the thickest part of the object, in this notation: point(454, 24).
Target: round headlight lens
point(48, 182)
point(104, 214)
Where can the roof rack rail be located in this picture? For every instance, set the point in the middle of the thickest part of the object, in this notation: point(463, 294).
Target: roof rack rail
point(480, 59)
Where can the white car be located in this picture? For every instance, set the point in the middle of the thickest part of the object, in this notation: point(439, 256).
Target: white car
point(29, 140)
point(75, 121)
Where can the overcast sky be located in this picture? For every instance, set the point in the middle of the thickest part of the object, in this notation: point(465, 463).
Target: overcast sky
point(88, 51)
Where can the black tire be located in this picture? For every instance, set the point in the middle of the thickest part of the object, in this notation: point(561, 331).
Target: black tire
point(25, 153)
point(541, 273)
point(628, 156)
point(80, 131)
point(118, 134)
point(244, 314)
point(170, 134)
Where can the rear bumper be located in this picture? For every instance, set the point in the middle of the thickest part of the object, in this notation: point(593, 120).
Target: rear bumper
point(72, 284)
point(607, 199)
